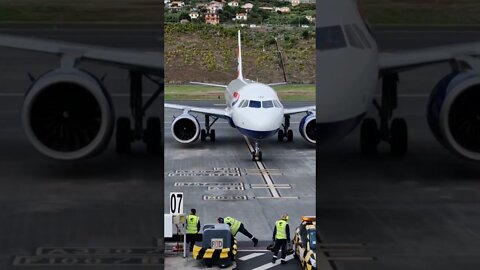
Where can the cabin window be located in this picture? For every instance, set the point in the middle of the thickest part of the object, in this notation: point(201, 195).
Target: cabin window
point(330, 37)
point(255, 104)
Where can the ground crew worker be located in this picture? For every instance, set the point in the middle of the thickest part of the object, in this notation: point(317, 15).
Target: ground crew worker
point(237, 226)
point(193, 227)
point(281, 237)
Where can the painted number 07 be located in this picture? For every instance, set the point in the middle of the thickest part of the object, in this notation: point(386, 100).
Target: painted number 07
point(176, 203)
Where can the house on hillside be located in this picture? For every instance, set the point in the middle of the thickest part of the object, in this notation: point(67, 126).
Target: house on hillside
point(233, 3)
point(241, 16)
point(212, 18)
point(194, 15)
point(282, 9)
point(176, 5)
point(214, 7)
point(247, 7)
point(310, 18)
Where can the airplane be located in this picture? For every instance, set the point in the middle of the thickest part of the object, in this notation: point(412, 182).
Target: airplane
point(349, 67)
point(68, 113)
point(253, 108)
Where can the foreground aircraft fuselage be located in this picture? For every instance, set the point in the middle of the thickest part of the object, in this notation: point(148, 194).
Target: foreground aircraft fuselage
point(348, 69)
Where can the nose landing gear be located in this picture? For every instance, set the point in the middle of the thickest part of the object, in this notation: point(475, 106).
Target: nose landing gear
point(257, 154)
point(286, 131)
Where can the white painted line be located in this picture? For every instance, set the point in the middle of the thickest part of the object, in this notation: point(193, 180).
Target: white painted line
point(254, 250)
point(270, 265)
point(271, 187)
point(277, 198)
point(250, 256)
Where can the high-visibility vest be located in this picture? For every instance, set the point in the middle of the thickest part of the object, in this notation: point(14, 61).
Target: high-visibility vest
point(281, 226)
point(234, 224)
point(192, 221)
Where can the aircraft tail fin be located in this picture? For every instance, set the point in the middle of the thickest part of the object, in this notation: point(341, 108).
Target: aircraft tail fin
point(239, 67)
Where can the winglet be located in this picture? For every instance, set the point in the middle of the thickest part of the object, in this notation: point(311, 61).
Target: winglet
point(239, 68)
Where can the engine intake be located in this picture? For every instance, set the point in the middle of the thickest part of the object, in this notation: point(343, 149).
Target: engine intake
point(454, 113)
point(185, 128)
point(307, 128)
point(67, 115)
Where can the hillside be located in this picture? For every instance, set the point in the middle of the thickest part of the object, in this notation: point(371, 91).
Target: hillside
point(197, 52)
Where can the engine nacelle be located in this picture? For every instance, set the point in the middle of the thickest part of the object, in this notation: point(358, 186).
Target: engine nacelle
point(307, 128)
point(67, 115)
point(454, 113)
point(185, 128)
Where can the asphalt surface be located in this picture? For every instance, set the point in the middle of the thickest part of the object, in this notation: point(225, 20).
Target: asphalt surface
point(291, 167)
point(420, 211)
point(109, 201)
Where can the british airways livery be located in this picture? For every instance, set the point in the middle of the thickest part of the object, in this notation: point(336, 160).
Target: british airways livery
point(253, 108)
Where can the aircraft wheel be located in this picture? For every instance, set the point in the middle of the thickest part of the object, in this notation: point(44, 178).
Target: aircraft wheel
point(399, 137)
point(290, 135)
point(212, 135)
point(152, 135)
point(280, 135)
point(123, 136)
point(203, 135)
point(369, 137)
point(259, 157)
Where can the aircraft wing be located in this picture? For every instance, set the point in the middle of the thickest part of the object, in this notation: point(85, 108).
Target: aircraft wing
point(290, 111)
point(210, 111)
point(390, 63)
point(148, 62)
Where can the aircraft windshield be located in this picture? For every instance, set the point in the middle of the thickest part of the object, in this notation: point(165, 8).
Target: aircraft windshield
point(255, 104)
point(330, 37)
point(267, 104)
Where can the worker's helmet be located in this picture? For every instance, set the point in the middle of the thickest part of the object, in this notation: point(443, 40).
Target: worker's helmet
point(285, 217)
point(220, 220)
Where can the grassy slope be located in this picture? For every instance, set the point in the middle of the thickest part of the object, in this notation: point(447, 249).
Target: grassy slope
point(293, 92)
point(208, 54)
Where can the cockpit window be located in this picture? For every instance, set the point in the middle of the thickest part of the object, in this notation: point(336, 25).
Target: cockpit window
point(362, 36)
point(244, 104)
point(277, 104)
point(255, 104)
point(330, 37)
point(352, 37)
point(267, 104)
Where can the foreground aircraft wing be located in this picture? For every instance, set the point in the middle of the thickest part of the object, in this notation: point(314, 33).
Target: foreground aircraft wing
point(147, 62)
point(392, 63)
point(210, 111)
point(307, 109)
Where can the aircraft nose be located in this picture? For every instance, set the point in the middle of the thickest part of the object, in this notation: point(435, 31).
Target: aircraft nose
point(265, 121)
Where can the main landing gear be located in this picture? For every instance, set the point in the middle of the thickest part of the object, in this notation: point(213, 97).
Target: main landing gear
point(393, 131)
point(152, 134)
point(208, 132)
point(257, 154)
point(286, 132)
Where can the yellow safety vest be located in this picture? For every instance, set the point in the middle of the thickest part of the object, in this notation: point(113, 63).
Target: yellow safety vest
point(235, 224)
point(192, 221)
point(281, 226)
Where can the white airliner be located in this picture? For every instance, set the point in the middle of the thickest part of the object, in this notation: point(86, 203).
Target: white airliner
point(349, 67)
point(67, 112)
point(253, 108)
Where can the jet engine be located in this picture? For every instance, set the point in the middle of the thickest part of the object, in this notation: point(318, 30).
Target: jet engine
point(454, 113)
point(185, 128)
point(307, 128)
point(67, 114)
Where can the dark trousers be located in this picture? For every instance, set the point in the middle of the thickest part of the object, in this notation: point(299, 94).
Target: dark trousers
point(191, 237)
point(244, 231)
point(280, 243)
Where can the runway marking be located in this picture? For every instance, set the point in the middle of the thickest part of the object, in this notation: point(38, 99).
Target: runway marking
point(209, 184)
point(278, 198)
point(250, 256)
point(82, 251)
point(224, 198)
point(233, 172)
point(235, 188)
point(270, 265)
point(266, 177)
point(258, 171)
point(87, 261)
